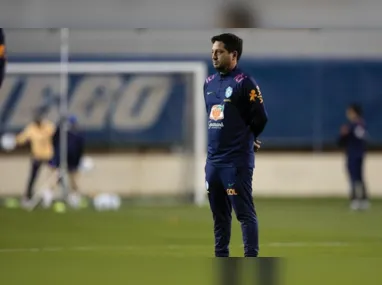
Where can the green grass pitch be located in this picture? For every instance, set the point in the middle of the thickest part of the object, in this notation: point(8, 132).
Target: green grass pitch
point(323, 242)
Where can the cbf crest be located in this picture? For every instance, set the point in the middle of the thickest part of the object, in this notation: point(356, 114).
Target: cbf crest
point(228, 92)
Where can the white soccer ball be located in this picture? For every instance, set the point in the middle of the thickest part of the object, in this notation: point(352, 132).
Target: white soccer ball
point(8, 142)
point(107, 202)
point(87, 164)
point(74, 200)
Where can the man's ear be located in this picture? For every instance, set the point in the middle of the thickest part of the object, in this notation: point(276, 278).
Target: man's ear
point(235, 54)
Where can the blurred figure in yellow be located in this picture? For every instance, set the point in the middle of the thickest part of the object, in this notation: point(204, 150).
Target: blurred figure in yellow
point(39, 135)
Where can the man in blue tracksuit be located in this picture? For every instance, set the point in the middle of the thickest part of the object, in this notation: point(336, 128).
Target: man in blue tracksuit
point(353, 139)
point(75, 146)
point(236, 118)
point(75, 151)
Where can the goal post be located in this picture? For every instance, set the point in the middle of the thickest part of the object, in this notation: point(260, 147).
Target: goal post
point(197, 69)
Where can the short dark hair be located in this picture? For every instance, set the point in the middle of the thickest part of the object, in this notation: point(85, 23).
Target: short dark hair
point(231, 43)
point(357, 108)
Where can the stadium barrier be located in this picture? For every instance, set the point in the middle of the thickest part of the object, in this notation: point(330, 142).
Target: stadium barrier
point(277, 175)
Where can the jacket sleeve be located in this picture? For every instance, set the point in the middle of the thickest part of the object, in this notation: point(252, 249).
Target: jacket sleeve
point(344, 135)
point(24, 136)
point(256, 114)
point(2, 56)
point(56, 137)
point(204, 94)
point(342, 140)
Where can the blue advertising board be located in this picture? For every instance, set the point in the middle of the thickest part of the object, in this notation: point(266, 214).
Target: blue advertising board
point(306, 100)
point(111, 108)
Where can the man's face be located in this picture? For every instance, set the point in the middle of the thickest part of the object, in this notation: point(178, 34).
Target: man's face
point(351, 115)
point(221, 58)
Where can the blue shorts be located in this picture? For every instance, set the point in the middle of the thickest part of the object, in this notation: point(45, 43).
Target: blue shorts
point(55, 163)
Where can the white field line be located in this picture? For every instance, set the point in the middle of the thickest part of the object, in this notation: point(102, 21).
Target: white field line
point(168, 247)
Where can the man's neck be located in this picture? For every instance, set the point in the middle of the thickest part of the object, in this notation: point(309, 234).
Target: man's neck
point(356, 120)
point(228, 70)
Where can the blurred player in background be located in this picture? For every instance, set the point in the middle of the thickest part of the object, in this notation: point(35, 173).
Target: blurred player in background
point(237, 117)
point(39, 134)
point(353, 139)
point(75, 150)
point(2, 56)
